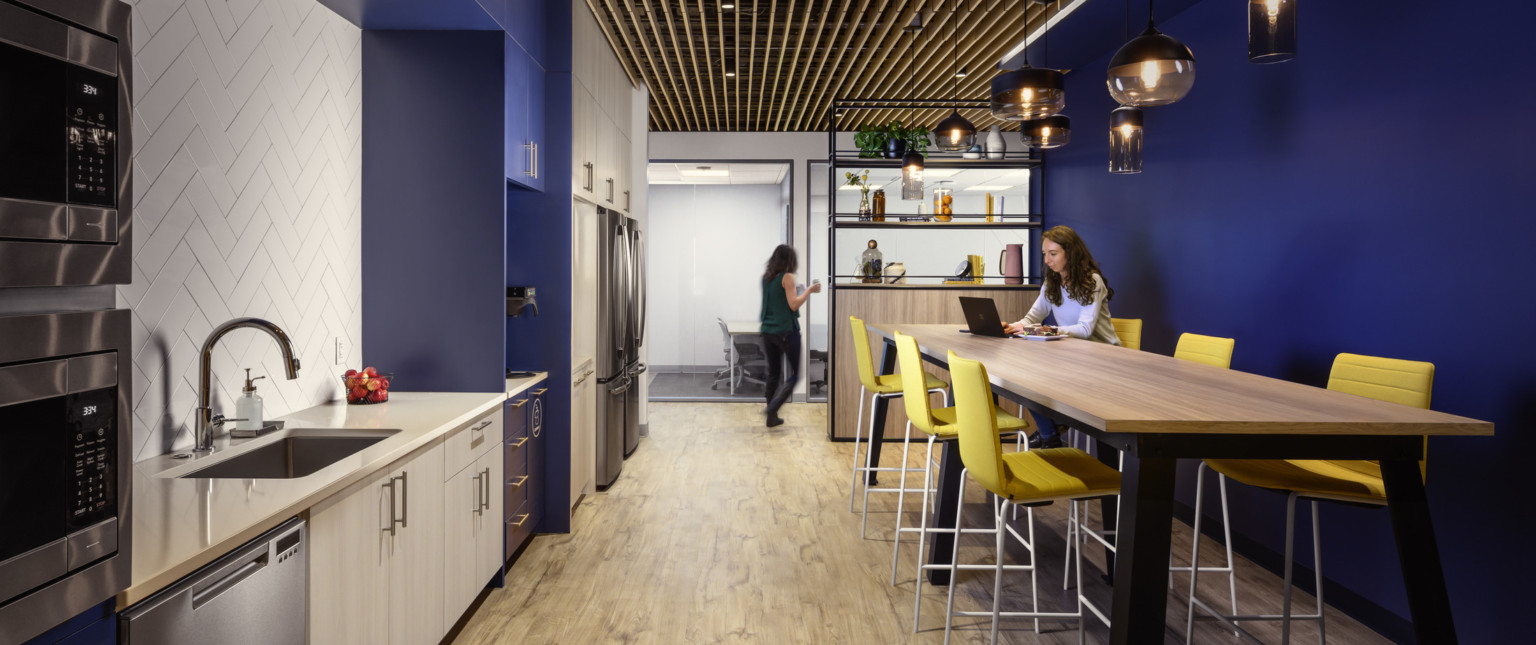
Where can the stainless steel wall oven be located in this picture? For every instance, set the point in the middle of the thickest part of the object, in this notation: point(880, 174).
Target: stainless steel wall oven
point(65, 466)
point(65, 153)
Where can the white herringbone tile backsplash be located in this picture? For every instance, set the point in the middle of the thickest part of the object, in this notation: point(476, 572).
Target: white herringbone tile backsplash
point(247, 167)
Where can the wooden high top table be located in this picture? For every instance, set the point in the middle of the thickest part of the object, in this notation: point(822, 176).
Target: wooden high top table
point(1158, 410)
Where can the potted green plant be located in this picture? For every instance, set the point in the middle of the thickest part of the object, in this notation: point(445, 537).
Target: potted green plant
point(871, 141)
point(916, 138)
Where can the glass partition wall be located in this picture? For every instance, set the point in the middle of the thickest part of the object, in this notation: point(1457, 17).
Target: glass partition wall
point(711, 228)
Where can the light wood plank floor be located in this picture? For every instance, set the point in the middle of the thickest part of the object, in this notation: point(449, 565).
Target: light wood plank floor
point(721, 530)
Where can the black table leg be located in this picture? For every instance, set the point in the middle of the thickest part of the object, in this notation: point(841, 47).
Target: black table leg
point(943, 547)
point(1419, 557)
point(877, 414)
point(1109, 507)
point(1141, 577)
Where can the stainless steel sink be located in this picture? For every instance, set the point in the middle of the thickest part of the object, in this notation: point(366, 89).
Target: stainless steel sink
point(295, 453)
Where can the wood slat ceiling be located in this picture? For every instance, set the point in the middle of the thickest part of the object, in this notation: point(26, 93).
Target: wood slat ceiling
point(791, 58)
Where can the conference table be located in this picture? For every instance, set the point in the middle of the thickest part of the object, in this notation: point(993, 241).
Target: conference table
point(1158, 410)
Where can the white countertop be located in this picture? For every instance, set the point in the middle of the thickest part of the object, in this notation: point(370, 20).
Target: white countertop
point(516, 386)
point(180, 525)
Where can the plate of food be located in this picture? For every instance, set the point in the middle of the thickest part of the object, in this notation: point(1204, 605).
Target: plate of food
point(1043, 332)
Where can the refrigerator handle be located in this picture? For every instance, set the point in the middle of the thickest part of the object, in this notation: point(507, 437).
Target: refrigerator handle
point(616, 295)
point(640, 289)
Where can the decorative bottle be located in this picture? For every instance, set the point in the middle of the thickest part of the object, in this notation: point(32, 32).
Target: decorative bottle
point(871, 264)
point(995, 146)
point(879, 211)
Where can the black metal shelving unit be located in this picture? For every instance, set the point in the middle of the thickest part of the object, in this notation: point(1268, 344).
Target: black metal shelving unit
point(838, 160)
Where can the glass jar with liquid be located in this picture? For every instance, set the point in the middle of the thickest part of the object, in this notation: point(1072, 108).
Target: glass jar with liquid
point(879, 205)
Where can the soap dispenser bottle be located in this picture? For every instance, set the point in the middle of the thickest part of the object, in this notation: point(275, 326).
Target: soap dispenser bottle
point(248, 406)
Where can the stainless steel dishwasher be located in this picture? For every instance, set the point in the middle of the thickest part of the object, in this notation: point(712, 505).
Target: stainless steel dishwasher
point(256, 595)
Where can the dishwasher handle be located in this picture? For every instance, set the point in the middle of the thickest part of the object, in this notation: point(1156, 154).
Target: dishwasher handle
point(204, 593)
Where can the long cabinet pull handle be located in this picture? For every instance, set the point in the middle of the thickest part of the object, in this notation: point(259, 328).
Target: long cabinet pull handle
point(476, 508)
point(535, 160)
point(405, 500)
point(520, 442)
point(519, 524)
point(540, 391)
point(483, 425)
point(519, 404)
point(390, 527)
point(486, 482)
point(519, 483)
point(528, 156)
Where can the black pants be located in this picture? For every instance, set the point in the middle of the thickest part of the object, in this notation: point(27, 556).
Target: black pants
point(781, 349)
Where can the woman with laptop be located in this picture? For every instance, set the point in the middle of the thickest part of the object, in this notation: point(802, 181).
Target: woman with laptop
point(1075, 295)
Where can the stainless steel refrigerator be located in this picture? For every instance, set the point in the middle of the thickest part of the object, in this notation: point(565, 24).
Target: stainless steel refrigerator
point(636, 368)
point(615, 331)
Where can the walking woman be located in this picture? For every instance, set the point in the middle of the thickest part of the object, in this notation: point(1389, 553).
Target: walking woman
point(781, 327)
point(1076, 296)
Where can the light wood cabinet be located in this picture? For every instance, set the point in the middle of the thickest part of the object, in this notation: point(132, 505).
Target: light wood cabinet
point(472, 511)
point(376, 557)
point(584, 133)
point(583, 429)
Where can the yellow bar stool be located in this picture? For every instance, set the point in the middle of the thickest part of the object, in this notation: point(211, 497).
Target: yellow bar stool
point(1348, 481)
point(1020, 479)
point(1216, 352)
point(1129, 331)
point(938, 424)
point(873, 385)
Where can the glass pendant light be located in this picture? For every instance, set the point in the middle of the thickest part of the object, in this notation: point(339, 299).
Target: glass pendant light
point(912, 161)
point(1152, 69)
point(1028, 92)
point(956, 133)
point(1053, 131)
point(1125, 134)
point(1271, 31)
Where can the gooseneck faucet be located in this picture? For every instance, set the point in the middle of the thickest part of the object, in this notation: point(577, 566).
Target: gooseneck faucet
point(205, 418)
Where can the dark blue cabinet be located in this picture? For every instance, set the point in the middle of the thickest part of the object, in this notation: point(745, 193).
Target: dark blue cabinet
point(524, 109)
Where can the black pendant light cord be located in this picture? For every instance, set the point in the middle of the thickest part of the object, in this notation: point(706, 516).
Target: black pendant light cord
point(954, 50)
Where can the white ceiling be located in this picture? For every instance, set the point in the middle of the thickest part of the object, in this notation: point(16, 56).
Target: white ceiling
point(716, 173)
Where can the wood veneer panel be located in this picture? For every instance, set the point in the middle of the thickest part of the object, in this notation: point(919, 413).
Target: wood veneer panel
point(912, 306)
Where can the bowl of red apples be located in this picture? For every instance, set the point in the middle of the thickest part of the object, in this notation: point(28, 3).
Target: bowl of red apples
point(366, 386)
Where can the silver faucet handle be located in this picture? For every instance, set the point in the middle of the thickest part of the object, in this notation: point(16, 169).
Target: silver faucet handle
point(219, 420)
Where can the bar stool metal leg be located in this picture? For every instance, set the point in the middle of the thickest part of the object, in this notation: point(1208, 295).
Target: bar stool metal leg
point(858, 425)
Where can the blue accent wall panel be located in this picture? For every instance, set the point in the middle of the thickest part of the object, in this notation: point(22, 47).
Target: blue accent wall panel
point(538, 243)
point(433, 203)
point(1373, 196)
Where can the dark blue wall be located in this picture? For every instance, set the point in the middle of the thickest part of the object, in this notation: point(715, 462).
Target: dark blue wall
point(538, 243)
point(1375, 195)
point(433, 204)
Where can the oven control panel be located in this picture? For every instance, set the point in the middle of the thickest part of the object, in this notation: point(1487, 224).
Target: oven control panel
point(92, 152)
point(92, 460)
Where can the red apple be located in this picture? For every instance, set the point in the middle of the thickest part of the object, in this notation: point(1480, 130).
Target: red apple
point(350, 373)
point(359, 392)
point(378, 396)
point(383, 383)
point(374, 384)
point(370, 371)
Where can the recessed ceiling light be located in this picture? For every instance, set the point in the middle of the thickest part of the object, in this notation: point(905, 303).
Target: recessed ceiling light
point(989, 187)
point(704, 171)
point(940, 172)
point(730, 74)
point(727, 5)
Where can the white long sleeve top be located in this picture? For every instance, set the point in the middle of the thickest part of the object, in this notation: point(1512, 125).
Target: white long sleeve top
point(1074, 319)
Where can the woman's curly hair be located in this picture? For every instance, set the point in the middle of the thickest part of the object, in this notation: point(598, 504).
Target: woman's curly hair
point(1080, 269)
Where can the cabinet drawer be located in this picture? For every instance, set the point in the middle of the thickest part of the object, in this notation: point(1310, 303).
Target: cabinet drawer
point(518, 528)
point(517, 416)
point(516, 484)
point(467, 444)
